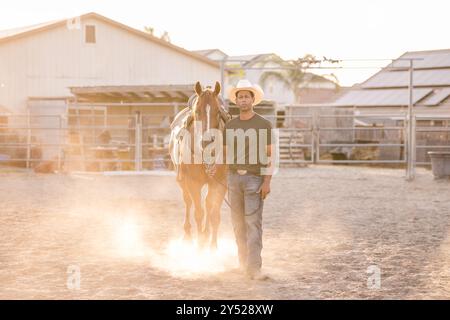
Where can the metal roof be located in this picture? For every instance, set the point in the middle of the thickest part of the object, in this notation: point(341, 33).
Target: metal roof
point(244, 58)
point(17, 31)
point(389, 87)
point(207, 52)
point(389, 79)
point(248, 59)
point(11, 34)
point(437, 97)
point(431, 59)
point(384, 97)
point(145, 93)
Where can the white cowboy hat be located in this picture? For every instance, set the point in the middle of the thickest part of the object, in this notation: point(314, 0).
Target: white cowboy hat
point(246, 85)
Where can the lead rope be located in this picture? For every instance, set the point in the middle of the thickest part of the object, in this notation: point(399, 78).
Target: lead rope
point(210, 169)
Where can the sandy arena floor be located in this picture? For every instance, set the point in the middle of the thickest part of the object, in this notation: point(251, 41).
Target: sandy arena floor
point(327, 231)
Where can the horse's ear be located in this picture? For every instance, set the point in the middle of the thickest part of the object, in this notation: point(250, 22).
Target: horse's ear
point(217, 88)
point(198, 88)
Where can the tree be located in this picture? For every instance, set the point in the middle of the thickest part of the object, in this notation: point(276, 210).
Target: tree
point(149, 30)
point(296, 77)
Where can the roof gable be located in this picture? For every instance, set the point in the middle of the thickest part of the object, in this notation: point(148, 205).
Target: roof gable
point(8, 35)
point(209, 52)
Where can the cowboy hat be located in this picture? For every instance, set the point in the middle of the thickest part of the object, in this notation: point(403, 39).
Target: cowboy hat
point(245, 85)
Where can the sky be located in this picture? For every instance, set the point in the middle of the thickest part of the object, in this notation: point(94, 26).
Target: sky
point(351, 30)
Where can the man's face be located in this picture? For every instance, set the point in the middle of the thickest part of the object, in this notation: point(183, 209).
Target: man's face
point(244, 100)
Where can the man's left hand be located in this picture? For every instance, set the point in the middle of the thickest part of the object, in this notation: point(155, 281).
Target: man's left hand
point(264, 190)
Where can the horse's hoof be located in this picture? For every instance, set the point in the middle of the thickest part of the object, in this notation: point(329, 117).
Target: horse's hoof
point(203, 237)
point(202, 242)
point(187, 238)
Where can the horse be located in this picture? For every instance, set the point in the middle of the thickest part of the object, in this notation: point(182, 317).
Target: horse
point(192, 176)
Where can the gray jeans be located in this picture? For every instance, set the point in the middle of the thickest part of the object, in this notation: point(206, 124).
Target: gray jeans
point(246, 217)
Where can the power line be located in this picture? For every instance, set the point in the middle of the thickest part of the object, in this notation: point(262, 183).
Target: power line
point(315, 61)
point(307, 68)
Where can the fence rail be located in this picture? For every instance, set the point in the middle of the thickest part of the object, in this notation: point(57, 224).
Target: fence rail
point(123, 142)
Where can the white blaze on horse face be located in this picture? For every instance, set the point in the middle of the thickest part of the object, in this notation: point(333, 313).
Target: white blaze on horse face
point(208, 111)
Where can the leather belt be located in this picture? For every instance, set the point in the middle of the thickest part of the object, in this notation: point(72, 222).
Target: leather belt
point(243, 172)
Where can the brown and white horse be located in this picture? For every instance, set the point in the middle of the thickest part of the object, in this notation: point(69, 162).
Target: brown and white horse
point(192, 176)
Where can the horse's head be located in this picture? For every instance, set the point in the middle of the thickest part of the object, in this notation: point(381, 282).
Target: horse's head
point(207, 107)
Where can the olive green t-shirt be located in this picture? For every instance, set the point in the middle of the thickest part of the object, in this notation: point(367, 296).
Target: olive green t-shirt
point(246, 142)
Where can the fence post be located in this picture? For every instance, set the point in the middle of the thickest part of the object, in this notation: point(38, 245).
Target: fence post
point(405, 138)
point(411, 131)
point(138, 143)
point(413, 146)
point(59, 143)
point(28, 138)
point(315, 136)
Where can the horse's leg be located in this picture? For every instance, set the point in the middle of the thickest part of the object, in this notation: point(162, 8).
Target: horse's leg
point(216, 193)
point(187, 218)
point(209, 204)
point(196, 196)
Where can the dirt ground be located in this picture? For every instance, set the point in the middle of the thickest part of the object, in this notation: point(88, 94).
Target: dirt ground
point(330, 232)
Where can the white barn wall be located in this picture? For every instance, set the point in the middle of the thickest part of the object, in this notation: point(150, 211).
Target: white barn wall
point(47, 63)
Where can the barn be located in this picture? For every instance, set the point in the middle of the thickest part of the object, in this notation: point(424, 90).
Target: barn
point(65, 82)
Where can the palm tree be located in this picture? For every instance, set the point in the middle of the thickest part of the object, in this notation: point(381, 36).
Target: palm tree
point(295, 77)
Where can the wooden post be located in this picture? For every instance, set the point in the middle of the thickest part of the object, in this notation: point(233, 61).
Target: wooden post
point(59, 143)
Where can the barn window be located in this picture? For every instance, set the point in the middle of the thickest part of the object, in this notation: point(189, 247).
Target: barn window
point(90, 34)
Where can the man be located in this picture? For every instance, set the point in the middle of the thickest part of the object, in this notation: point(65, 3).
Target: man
point(248, 149)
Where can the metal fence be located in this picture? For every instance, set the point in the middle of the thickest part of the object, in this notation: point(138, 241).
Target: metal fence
point(295, 144)
point(349, 135)
point(84, 142)
point(435, 137)
point(103, 142)
point(362, 143)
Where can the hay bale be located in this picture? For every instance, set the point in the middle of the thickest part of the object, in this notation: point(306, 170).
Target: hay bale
point(365, 153)
point(46, 167)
